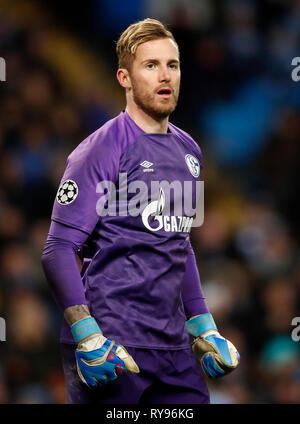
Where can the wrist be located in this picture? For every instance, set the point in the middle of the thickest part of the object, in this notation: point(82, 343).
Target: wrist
point(75, 313)
point(84, 327)
point(200, 324)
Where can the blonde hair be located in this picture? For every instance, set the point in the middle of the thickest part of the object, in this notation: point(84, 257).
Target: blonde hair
point(136, 34)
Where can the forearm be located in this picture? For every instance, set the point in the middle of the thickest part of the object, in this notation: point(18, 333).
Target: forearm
point(192, 294)
point(61, 269)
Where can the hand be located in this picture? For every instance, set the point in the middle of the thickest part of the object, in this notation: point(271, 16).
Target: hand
point(99, 359)
point(216, 355)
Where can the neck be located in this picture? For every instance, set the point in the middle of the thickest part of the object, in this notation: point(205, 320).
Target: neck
point(146, 122)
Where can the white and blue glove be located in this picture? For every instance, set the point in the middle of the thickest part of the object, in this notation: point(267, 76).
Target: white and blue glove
point(216, 355)
point(99, 360)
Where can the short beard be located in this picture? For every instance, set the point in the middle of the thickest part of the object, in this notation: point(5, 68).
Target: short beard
point(146, 102)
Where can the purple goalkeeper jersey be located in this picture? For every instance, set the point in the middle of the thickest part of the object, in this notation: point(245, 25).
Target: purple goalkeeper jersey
point(134, 194)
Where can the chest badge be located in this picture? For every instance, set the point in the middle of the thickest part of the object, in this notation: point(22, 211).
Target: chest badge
point(193, 165)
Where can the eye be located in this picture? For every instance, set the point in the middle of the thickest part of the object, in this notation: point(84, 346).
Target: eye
point(150, 65)
point(173, 66)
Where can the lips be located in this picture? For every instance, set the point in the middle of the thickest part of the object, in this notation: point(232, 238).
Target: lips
point(164, 92)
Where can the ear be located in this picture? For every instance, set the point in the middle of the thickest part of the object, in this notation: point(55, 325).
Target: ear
point(124, 78)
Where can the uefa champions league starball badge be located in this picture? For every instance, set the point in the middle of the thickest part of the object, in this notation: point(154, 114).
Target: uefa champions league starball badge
point(67, 192)
point(193, 165)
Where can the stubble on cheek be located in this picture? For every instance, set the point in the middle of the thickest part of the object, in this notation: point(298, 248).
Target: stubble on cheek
point(150, 103)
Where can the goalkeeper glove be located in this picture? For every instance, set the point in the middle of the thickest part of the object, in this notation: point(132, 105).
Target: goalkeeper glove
point(216, 355)
point(99, 360)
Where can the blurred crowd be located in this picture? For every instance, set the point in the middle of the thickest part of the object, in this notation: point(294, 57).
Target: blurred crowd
point(238, 101)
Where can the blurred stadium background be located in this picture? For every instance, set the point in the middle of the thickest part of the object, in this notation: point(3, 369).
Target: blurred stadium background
point(239, 102)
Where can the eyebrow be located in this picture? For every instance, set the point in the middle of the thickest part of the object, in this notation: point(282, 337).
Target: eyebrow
point(156, 61)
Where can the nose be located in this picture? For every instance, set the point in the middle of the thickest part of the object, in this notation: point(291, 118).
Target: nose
point(164, 74)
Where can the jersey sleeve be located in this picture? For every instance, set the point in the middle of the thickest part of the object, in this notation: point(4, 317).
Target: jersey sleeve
point(192, 294)
point(60, 265)
point(90, 176)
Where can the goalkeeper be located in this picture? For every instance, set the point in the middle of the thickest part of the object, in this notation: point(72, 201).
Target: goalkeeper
point(131, 310)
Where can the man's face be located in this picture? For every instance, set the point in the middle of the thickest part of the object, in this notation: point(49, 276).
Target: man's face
point(155, 77)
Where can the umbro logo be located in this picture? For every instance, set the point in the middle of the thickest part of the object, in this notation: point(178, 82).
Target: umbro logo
point(147, 166)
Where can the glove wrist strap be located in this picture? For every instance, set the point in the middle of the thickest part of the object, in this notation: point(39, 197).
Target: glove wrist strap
point(84, 328)
point(200, 324)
